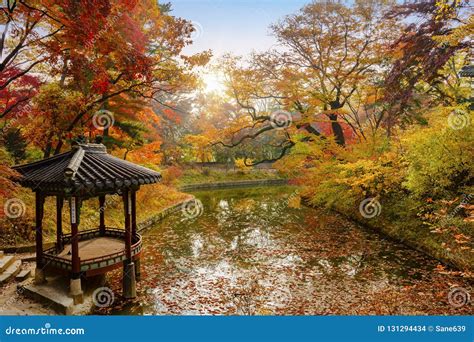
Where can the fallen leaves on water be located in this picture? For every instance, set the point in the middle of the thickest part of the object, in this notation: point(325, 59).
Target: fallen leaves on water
point(241, 260)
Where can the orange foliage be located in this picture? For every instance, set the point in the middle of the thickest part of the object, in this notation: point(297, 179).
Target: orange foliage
point(149, 154)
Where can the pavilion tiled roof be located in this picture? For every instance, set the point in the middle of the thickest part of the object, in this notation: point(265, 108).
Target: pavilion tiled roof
point(86, 168)
point(467, 71)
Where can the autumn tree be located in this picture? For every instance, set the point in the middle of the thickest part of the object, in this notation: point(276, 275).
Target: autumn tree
point(438, 30)
point(326, 53)
point(97, 51)
point(334, 49)
point(107, 49)
point(25, 28)
point(224, 130)
point(175, 112)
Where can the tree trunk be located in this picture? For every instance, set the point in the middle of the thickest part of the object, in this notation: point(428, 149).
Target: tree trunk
point(309, 129)
point(336, 127)
point(58, 147)
point(62, 82)
point(337, 130)
point(49, 146)
point(47, 150)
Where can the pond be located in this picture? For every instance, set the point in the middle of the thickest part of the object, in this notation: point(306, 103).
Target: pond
point(256, 251)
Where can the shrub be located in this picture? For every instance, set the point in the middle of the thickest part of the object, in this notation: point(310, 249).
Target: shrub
point(171, 174)
point(241, 166)
point(439, 157)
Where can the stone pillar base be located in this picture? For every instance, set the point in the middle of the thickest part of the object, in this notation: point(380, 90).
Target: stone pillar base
point(138, 275)
point(40, 277)
point(76, 291)
point(129, 281)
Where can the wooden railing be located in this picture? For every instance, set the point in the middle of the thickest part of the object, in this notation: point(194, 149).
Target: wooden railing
point(50, 255)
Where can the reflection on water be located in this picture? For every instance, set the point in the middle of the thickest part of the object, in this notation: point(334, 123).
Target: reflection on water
point(250, 253)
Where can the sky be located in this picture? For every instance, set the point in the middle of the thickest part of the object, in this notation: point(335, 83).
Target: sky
point(236, 26)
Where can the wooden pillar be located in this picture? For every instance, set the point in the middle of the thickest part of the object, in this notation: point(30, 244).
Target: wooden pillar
point(75, 286)
point(134, 214)
point(134, 232)
point(128, 278)
point(59, 223)
point(39, 211)
point(102, 215)
point(76, 264)
point(127, 205)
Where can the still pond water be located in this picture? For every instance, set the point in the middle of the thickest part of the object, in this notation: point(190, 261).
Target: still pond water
point(256, 251)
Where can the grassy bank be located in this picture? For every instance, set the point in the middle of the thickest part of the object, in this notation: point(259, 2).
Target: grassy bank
point(206, 175)
point(151, 200)
point(444, 244)
point(420, 188)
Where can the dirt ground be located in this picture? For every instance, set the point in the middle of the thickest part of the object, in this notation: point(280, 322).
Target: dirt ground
point(12, 302)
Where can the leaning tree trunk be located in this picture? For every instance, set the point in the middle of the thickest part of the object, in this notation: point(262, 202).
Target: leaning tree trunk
point(336, 127)
point(49, 146)
point(57, 150)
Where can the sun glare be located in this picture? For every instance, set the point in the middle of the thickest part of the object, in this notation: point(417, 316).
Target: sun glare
point(213, 83)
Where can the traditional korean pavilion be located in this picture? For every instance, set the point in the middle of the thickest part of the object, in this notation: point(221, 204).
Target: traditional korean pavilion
point(87, 171)
point(467, 71)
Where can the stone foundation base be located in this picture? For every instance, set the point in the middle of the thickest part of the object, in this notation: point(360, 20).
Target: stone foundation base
point(40, 277)
point(76, 291)
point(129, 281)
